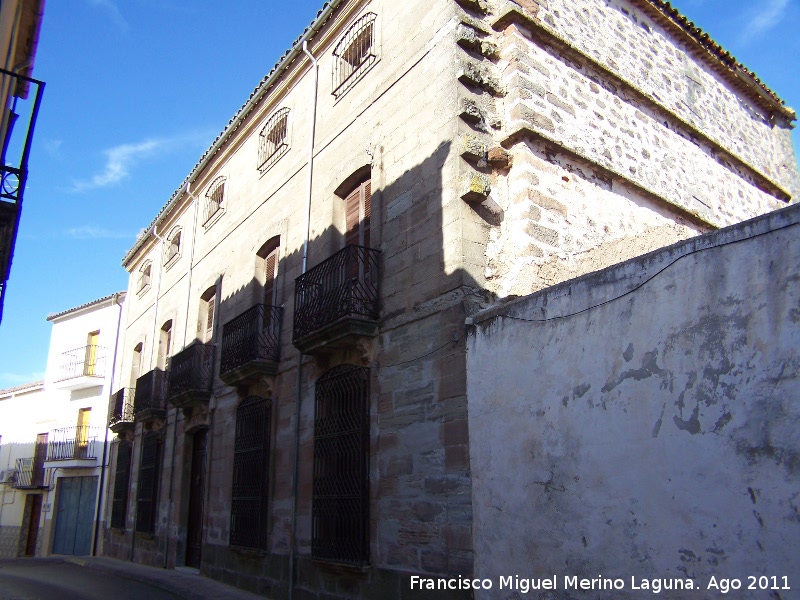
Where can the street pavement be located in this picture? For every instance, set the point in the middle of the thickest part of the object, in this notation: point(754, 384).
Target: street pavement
point(97, 578)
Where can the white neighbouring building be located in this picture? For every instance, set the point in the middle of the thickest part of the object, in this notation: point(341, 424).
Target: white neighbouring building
point(54, 437)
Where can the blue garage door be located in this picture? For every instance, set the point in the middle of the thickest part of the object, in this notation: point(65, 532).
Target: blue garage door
point(75, 515)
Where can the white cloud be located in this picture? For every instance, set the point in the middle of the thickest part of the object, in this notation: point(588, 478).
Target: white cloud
point(765, 19)
point(53, 147)
point(119, 160)
point(90, 232)
point(113, 12)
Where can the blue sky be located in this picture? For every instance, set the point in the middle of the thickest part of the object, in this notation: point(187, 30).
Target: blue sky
point(138, 89)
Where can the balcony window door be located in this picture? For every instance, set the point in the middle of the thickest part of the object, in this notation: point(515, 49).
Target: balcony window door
point(136, 364)
point(90, 364)
point(164, 345)
point(358, 207)
point(208, 309)
point(82, 433)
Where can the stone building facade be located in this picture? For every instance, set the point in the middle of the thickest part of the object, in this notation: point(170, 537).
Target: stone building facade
point(294, 354)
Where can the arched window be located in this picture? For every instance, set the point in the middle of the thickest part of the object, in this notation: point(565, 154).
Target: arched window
point(215, 196)
point(164, 345)
point(136, 364)
point(143, 282)
point(355, 53)
point(208, 309)
point(172, 250)
point(273, 140)
point(250, 490)
point(268, 256)
point(340, 501)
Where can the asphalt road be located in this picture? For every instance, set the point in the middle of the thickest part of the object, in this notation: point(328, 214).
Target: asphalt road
point(36, 580)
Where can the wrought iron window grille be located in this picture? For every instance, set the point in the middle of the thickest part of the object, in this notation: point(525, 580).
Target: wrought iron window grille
point(215, 196)
point(192, 369)
point(86, 361)
point(71, 443)
point(273, 139)
point(354, 54)
point(122, 476)
point(147, 490)
point(340, 500)
point(345, 285)
point(250, 489)
point(253, 335)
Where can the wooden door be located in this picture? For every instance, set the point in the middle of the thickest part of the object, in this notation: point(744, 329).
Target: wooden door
point(33, 512)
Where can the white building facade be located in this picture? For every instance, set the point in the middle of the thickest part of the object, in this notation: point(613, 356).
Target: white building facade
point(54, 437)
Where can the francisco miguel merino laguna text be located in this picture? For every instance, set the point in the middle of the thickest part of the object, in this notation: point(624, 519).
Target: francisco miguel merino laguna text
point(569, 582)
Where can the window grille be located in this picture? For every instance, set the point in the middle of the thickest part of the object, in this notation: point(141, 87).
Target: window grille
point(144, 277)
point(273, 139)
point(147, 492)
point(214, 198)
point(354, 54)
point(340, 510)
point(251, 474)
point(122, 476)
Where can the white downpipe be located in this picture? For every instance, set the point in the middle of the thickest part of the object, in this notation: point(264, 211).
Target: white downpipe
point(299, 396)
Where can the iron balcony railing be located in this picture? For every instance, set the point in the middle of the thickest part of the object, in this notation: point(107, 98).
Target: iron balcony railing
point(191, 370)
point(253, 335)
point(87, 361)
point(150, 394)
point(17, 124)
point(30, 473)
point(122, 407)
point(70, 443)
point(345, 285)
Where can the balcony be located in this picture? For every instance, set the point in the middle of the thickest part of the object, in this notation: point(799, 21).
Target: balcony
point(72, 447)
point(82, 368)
point(121, 418)
point(30, 474)
point(150, 397)
point(337, 302)
point(251, 345)
point(191, 375)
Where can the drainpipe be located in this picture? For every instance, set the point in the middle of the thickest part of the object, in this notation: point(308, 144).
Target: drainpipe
point(103, 464)
point(299, 397)
point(189, 268)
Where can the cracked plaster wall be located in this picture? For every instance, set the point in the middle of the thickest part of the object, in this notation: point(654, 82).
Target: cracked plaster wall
point(654, 435)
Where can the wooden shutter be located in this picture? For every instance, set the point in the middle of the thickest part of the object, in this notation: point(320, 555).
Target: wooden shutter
point(352, 217)
point(269, 278)
point(211, 304)
point(358, 209)
point(367, 203)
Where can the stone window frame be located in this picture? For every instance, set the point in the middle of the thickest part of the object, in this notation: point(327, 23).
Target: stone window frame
point(215, 201)
point(273, 139)
point(144, 277)
point(355, 54)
